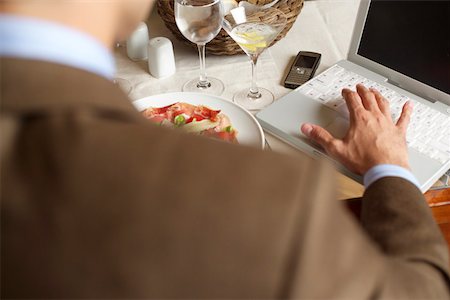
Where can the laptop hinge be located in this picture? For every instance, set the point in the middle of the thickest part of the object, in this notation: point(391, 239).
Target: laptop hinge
point(390, 81)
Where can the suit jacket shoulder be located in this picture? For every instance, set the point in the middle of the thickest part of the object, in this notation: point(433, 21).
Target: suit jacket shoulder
point(96, 203)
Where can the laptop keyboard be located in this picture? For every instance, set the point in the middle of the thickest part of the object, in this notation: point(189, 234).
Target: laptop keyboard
point(428, 131)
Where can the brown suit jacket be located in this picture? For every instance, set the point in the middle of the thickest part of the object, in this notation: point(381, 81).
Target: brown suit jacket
point(97, 203)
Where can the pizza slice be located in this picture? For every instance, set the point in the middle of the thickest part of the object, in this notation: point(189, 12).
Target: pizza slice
point(194, 119)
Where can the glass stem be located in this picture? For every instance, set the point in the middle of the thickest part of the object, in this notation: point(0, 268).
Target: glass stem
point(254, 91)
point(203, 82)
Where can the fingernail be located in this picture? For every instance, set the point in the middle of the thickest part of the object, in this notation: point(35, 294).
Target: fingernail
point(410, 105)
point(306, 129)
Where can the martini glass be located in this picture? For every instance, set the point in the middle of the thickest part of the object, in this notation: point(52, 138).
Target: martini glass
point(200, 21)
point(254, 29)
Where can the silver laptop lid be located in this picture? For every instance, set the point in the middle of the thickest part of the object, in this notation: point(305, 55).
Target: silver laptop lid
point(408, 42)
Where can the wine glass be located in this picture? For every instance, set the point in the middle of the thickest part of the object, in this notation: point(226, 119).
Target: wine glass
point(123, 84)
point(200, 21)
point(254, 29)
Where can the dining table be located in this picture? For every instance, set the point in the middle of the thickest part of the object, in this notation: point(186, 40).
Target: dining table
point(323, 26)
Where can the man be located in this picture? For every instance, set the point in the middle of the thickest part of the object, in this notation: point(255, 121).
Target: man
point(97, 203)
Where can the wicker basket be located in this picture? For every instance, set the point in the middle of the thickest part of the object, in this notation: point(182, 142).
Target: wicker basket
point(223, 44)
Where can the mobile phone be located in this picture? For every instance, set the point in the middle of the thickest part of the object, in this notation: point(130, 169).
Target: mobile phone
point(303, 69)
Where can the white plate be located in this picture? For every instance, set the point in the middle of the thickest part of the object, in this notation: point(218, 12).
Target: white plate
point(249, 131)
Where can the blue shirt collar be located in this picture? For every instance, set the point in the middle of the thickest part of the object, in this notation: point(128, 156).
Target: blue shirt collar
point(37, 39)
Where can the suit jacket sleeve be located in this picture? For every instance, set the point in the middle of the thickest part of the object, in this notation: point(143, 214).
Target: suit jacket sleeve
point(398, 253)
point(397, 218)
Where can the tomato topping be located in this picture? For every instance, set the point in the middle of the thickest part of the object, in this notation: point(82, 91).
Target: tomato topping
point(161, 110)
point(207, 113)
point(196, 117)
point(156, 119)
point(226, 136)
point(222, 135)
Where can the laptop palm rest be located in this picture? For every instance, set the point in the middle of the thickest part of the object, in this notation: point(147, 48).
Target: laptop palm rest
point(295, 109)
point(284, 118)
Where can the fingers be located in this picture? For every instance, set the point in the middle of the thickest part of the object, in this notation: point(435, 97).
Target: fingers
point(353, 102)
point(383, 105)
point(319, 135)
point(367, 98)
point(403, 121)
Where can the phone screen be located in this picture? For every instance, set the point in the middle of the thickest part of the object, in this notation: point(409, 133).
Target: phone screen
point(305, 62)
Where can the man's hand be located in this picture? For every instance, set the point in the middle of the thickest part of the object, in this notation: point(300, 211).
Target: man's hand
point(372, 138)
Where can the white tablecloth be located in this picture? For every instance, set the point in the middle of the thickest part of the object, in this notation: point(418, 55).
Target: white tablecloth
point(324, 26)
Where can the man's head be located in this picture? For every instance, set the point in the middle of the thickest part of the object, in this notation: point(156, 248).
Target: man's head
point(107, 20)
point(131, 12)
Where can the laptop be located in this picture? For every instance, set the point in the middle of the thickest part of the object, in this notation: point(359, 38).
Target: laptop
point(401, 48)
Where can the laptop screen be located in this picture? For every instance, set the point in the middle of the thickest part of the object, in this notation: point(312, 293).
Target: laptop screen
point(410, 37)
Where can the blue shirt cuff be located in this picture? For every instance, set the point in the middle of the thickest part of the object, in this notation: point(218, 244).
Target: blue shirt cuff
point(386, 170)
